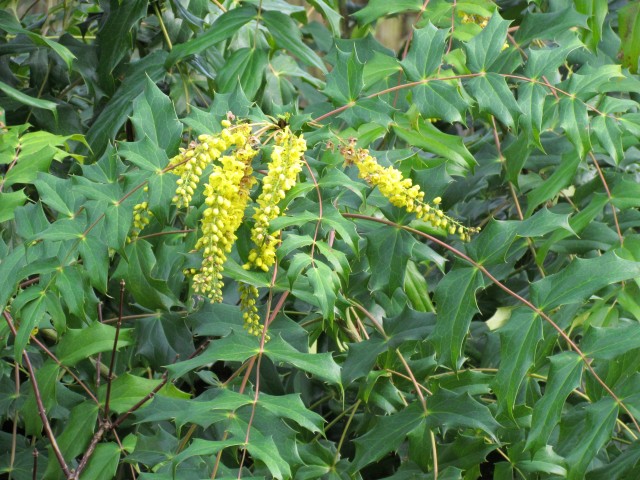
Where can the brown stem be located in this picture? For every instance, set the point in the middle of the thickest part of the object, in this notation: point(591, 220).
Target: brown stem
point(513, 294)
point(87, 455)
point(41, 410)
point(114, 350)
point(34, 471)
point(606, 189)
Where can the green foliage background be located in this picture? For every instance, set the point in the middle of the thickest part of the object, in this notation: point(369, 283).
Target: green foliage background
point(396, 351)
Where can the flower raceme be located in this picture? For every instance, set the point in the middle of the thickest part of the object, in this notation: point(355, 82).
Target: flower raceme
point(286, 163)
point(401, 192)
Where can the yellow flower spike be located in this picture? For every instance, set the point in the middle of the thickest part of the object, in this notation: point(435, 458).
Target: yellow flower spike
point(401, 192)
point(226, 195)
point(286, 162)
point(248, 299)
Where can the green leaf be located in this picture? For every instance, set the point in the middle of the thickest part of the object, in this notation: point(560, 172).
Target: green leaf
point(154, 116)
point(559, 179)
point(324, 283)
point(609, 135)
point(582, 439)
point(10, 265)
point(345, 81)
point(103, 463)
point(110, 120)
point(127, 390)
point(201, 447)
point(375, 9)
point(440, 100)
point(321, 365)
point(245, 66)
point(386, 435)
point(423, 134)
point(149, 291)
point(75, 438)
point(95, 255)
point(116, 36)
point(78, 344)
point(291, 407)
point(233, 348)
point(47, 378)
point(484, 49)
point(575, 122)
point(610, 342)
point(145, 154)
point(287, 35)
point(222, 28)
point(10, 24)
point(388, 251)
point(531, 98)
point(582, 278)
point(264, 449)
point(417, 290)
point(28, 308)
point(629, 25)
point(494, 97)
point(549, 25)
point(9, 202)
point(425, 55)
point(518, 342)
point(330, 14)
point(11, 92)
point(446, 409)
point(457, 290)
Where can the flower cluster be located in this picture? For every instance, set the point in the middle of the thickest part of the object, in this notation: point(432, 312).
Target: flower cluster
point(226, 197)
point(190, 163)
point(248, 298)
point(286, 163)
point(401, 192)
point(141, 218)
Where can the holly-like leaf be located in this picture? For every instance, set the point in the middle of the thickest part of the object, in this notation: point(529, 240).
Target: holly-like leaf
point(582, 278)
point(148, 291)
point(425, 55)
point(518, 341)
point(78, 344)
point(458, 291)
point(345, 81)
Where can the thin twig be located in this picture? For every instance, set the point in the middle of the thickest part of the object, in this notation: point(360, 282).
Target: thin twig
point(38, 397)
point(609, 196)
point(34, 471)
point(14, 431)
point(114, 350)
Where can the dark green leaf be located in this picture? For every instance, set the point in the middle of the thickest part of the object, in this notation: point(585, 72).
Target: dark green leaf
point(564, 376)
point(78, 344)
point(224, 27)
point(455, 299)
point(582, 278)
point(287, 35)
point(149, 291)
point(518, 341)
point(379, 8)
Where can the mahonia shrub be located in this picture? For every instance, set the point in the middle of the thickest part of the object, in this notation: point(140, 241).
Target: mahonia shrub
point(276, 239)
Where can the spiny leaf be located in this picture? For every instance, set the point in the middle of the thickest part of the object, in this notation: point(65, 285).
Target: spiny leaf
point(455, 299)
